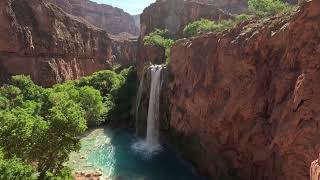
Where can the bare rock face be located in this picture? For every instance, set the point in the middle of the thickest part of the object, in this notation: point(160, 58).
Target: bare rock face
point(124, 51)
point(111, 19)
point(233, 6)
point(174, 15)
point(40, 40)
point(247, 102)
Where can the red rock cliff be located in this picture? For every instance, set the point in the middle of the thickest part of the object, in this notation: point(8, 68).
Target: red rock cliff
point(111, 19)
point(174, 15)
point(39, 39)
point(248, 100)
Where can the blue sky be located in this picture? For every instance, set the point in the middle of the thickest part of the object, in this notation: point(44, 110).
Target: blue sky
point(133, 7)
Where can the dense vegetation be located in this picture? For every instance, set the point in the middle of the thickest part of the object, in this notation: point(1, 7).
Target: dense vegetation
point(258, 8)
point(160, 38)
point(39, 127)
point(262, 8)
point(205, 25)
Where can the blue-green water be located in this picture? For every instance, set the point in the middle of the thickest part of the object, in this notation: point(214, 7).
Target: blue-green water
point(111, 152)
point(131, 6)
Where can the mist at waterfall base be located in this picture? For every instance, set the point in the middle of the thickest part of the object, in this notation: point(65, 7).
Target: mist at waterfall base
point(110, 151)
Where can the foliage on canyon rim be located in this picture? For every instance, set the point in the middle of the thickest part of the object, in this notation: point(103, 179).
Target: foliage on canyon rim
point(205, 25)
point(42, 125)
point(160, 38)
point(259, 8)
point(262, 8)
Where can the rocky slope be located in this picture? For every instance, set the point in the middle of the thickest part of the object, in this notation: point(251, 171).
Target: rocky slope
point(111, 19)
point(39, 39)
point(246, 103)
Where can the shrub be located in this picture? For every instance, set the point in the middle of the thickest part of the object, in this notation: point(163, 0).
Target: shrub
point(242, 17)
point(205, 25)
point(162, 39)
point(264, 8)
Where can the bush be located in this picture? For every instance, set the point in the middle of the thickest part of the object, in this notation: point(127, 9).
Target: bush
point(205, 25)
point(264, 8)
point(242, 17)
point(162, 39)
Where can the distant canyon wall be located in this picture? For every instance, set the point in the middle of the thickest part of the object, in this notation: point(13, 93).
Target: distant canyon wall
point(111, 19)
point(40, 40)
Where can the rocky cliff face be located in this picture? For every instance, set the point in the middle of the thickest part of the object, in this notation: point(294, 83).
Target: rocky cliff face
point(39, 39)
point(111, 19)
point(124, 51)
point(247, 101)
point(174, 15)
point(233, 6)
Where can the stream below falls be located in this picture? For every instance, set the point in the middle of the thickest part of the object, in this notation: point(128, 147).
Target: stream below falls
point(113, 152)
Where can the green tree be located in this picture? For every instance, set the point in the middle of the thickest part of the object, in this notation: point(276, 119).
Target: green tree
point(15, 169)
point(92, 102)
point(123, 97)
point(65, 123)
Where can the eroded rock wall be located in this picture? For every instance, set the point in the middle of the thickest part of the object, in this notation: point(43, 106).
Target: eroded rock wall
point(246, 103)
point(174, 15)
point(111, 19)
point(41, 40)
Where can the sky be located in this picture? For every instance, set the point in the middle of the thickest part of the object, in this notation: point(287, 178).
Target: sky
point(132, 7)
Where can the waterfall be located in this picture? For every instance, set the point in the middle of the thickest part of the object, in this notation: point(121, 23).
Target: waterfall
point(153, 110)
point(151, 144)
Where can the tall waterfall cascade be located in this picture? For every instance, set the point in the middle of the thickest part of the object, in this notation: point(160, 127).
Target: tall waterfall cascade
point(151, 145)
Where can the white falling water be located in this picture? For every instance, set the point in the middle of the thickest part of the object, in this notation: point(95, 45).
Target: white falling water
point(139, 94)
point(151, 144)
point(153, 111)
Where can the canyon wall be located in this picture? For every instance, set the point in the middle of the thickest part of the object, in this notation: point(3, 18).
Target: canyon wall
point(40, 40)
point(174, 15)
point(245, 103)
point(111, 19)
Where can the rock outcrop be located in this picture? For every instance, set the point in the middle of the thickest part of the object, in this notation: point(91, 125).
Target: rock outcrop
point(315, 170)
point(124, 52)
point(40, 40)
point(246, 102)
point(111, 19)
